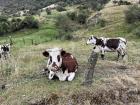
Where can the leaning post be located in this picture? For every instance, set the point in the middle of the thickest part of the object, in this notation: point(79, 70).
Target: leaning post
point(91, 68)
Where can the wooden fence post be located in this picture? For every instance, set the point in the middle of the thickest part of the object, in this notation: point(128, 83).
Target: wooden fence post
point(23, 41)
point(91, 67)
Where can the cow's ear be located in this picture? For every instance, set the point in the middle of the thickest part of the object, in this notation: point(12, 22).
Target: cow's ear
point(95, 37)
point(45, 53)
point(63, 53)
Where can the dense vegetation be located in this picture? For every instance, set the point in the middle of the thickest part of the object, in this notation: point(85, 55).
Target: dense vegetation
point(16, 24)
point(132, 17)
point(13, 6)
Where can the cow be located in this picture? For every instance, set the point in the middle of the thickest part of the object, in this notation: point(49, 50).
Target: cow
point(5, 51)
point(109, 45)
point(61, 64)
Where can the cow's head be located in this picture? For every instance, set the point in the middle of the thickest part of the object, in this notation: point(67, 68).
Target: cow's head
point(6, 47)
point(92, 40)
point(54, 61)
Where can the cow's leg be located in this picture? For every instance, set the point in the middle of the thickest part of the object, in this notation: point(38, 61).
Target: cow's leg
point(51, 75)
point(122, 53)
point(102, 53)
point(118, 55)
point(102, 56)
point(62, 76)
point(71, 76)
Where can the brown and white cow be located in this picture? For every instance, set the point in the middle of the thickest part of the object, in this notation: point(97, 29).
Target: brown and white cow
point(109, 45)
point(61, 64)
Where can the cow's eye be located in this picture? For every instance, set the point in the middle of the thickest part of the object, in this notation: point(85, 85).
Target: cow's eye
point(50, 58)
point(58, 57)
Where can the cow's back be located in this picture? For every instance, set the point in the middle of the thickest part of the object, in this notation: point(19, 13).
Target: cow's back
point(69, 62)
point(112, 43)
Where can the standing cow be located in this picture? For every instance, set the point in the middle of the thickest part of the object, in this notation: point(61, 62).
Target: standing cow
point(109, 45)
point(4, 50)
point(61, 64)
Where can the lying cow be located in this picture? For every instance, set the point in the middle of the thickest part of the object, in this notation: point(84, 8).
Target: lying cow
point(61, 64)
point(4, 50)
point(109, 45)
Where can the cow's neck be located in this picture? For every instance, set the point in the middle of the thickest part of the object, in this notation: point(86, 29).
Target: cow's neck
point(99, 42)
point(63, 67)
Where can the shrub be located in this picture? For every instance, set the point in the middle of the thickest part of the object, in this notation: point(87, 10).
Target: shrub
point(64, 36)
point(65, 26)
point(4, 25)
point(30, 22)
point(81, 18)
point(64, 23)
point(121, 2)
point(15, 24)
point(82, 7)
point(60, 9)
point(97, 4)
point(132, 15)
point(48, 11)
point(137, 31)
point(115, 1)
point(102, 22)
point(72, 15)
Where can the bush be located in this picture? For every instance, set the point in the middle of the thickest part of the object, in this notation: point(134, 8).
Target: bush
point(115, 1)
point(15, 25)
point(81, 18)
point(97, 4)
point(72, 15)
point(60, 9)
point(121, 2)
point(65, 26)
point(102, 22)
point(132, 15)
point(30, 22)
point(4, 25)
point(48, 11)
point(64, 36)
point(82, 7)
point(137, 31)
point(63, 22)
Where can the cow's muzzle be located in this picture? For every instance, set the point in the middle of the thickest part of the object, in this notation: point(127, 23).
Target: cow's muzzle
point(55, 69)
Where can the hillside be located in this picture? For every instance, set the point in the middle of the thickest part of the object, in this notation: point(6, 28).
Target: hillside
point(13, 6)
point(115, 82)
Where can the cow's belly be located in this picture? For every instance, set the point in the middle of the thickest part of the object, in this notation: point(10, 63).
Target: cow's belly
point(108, 49)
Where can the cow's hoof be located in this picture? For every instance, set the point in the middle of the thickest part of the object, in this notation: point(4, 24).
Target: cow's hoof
point(62, 79)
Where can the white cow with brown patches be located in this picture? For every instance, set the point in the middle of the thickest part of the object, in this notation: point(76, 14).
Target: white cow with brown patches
point(109, 45)
point(61, 64)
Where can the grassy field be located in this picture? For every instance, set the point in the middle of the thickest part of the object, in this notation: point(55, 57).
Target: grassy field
point(25, 84)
